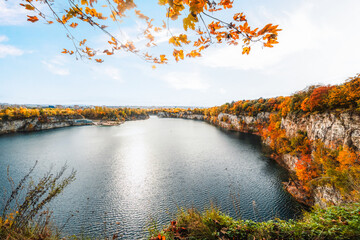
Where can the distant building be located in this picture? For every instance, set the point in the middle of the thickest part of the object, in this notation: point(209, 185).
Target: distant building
point(76, 107)
point(59, 106)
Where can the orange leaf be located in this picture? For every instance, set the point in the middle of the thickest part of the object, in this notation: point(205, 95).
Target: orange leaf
point(99, 60)
point(28, 6)
point(32, 18)
point(73, 25)
point(82, 42)
point(246, 50)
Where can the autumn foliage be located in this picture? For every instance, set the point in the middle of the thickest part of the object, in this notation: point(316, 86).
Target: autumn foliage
point(96, 113)
point(316, 164)
point(197, 16)
point(342, 97)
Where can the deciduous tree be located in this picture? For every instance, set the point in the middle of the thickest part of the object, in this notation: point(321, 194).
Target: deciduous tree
point(201, 26)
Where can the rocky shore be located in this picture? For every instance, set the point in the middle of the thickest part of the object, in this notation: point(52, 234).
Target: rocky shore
point(39, 124)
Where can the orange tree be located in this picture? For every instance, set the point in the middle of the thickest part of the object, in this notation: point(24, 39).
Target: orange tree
point(201, 26)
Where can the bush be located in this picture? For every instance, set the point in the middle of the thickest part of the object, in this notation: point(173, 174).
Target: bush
point(23, 215)
point(341, 222)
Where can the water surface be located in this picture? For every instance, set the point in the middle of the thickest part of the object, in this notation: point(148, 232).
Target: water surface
point(145, 170)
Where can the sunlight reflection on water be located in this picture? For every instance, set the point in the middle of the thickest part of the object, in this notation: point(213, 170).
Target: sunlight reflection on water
point(147, 169)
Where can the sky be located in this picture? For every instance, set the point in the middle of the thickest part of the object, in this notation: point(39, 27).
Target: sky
point(319, 44)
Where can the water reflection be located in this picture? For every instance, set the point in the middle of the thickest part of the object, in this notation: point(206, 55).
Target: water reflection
point(147, 169)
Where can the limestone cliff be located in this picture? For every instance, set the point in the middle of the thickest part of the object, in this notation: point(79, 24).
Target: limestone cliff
point(332, 129)
point(37, 124)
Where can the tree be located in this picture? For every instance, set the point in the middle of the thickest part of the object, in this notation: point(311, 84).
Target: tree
point(201, 26)
point(317, 98)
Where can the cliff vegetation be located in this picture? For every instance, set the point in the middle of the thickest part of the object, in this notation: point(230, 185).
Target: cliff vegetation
point(315, 133)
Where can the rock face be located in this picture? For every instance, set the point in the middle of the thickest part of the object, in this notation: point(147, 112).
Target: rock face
point(289, 161)
point(242, 123)
point(184, 115)
point(35, 124)
point(38, 124)
point(331, 129)
point(325, 195)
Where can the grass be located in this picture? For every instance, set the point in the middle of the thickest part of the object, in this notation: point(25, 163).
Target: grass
point(337, 222)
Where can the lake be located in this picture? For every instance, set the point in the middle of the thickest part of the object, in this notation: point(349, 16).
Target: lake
point(143, 171)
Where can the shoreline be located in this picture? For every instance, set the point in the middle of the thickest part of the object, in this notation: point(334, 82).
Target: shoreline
point(293, 186)
point(35, 125)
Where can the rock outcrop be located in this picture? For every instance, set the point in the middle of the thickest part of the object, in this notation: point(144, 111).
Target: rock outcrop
point(327, 195)
point(37, 124)
point(44, 123)
point(332, 129)
point(184, 115)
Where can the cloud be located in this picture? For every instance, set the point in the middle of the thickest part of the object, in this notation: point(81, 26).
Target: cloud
point(318, 44)
point(8, 50)
point(108, 72)
point(3, 38)
point(57, 66)
point(185, 80)
point(222, 91)
point(299, 34)
point(12, 13)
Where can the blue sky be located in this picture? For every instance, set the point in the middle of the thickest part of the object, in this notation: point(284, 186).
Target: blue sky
point(318, 44)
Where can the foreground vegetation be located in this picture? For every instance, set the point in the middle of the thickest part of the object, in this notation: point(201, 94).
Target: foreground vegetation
point(341, 222)
point(336, 222)
point(24, 214)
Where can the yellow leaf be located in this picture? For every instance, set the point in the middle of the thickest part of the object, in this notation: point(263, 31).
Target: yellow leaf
point(246, 50)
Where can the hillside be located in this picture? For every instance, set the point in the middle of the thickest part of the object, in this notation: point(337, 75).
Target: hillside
point(314, 133)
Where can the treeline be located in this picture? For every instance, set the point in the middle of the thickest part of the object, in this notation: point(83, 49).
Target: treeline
point(315, 98)
point(176, 110)
point(97, 113)
point(18, 113)
point(113, 114)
